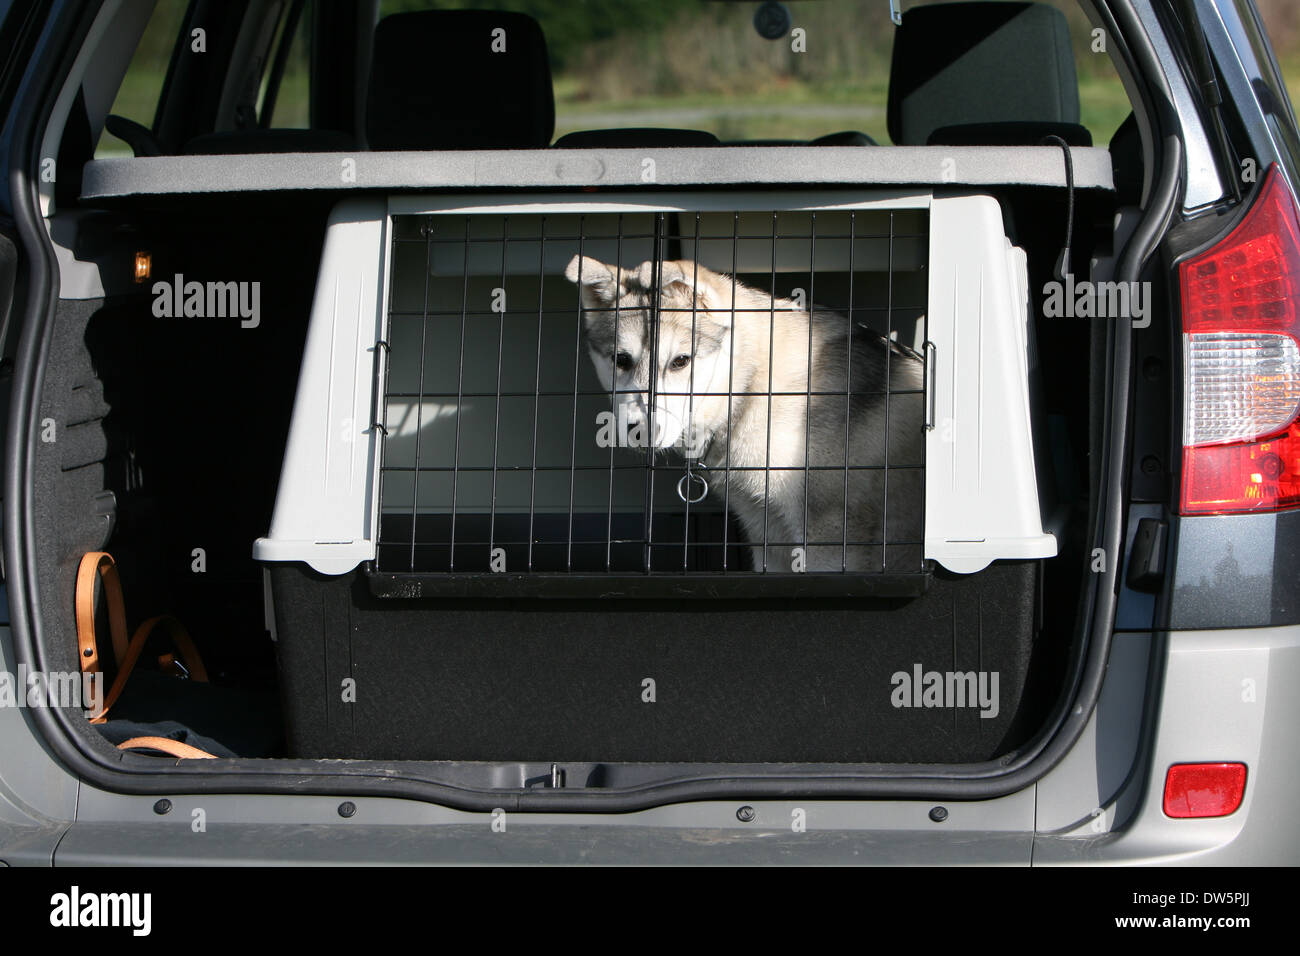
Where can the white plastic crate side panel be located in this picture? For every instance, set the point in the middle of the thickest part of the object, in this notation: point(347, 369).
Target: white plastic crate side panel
point(981, 492)
point(324, 507)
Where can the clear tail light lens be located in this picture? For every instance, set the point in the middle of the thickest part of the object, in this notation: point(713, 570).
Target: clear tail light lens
point(1241, 385)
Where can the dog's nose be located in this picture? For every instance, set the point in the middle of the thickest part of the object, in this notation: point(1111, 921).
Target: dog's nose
point(633, 412)
point(635, 402)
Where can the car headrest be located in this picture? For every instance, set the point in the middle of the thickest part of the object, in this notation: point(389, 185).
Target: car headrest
point(459, 79)
point(1009, 134)
point(848, 137)
point(260, 140)
point(964, 64)
point(636, 138)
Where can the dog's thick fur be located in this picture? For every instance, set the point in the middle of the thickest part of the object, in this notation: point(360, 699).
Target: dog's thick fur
point(772, 483)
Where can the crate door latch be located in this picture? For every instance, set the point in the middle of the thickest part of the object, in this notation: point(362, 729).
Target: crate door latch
point(931, 398)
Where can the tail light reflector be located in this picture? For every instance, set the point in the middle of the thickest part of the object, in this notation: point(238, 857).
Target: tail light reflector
point(1204, 789)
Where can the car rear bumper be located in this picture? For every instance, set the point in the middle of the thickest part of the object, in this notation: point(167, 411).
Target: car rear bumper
point(1220, 695)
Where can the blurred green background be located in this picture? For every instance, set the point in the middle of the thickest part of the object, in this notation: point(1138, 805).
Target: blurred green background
point(701, 65)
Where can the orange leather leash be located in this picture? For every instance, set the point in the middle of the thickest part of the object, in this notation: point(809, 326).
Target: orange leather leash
point(127, 653)
point(166, 745)
point(87, 646)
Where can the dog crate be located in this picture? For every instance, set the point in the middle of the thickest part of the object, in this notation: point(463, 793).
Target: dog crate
point(455, 433)
point(468, 529)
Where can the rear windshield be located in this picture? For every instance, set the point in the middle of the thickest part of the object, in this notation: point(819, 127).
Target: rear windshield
point(703, 65)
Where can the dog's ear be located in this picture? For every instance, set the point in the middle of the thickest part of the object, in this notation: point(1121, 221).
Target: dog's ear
point(595, 281)
point(686, 278)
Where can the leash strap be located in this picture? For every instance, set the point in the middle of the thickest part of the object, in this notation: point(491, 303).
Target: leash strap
point(167, 746)
point(126, 653)
point(87, 646)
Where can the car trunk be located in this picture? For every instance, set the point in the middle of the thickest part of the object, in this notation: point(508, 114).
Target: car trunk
point(174, 452)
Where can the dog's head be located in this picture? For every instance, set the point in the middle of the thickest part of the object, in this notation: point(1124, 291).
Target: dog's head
point(672, 343)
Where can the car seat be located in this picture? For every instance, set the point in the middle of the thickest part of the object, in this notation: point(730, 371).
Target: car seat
point(459, 79)
point(983, 74)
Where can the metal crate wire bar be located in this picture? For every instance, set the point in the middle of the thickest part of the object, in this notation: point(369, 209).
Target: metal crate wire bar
point(437, 313)
point(807, 415)
point(573, 431)
point(460, 402)
point(431, 469)
point(613, 378)
point(889, 364)
point(771, 347)
point(814, 542)
point(656, 274)
point(496, 409)
point(731, 369)
point(689, 437)
point(419, 408)
point(761, 237)
point(586, 393)
point(925, 377)
point(537, 405)
point(848, 408)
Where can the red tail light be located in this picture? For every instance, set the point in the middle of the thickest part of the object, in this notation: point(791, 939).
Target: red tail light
point(1241, 340)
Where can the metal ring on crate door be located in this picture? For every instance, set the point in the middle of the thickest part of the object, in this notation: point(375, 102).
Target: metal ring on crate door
point(688, 480)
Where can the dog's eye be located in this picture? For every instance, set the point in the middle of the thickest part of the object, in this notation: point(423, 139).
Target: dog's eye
point(623, 361)
point(679, 363)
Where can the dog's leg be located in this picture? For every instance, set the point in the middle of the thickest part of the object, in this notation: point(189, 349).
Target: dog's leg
point(749, 512)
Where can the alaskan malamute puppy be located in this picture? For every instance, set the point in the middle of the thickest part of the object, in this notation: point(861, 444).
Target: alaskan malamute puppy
point(787, 483)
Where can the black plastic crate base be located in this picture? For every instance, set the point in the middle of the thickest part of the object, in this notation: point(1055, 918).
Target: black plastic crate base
point(803, 681)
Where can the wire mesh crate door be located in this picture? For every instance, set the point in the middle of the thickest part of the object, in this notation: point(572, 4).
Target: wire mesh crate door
point(827, 406)
point(654, 393)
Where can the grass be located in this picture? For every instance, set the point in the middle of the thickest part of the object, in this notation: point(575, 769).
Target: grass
point(797, 112)
point(1103, 106)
